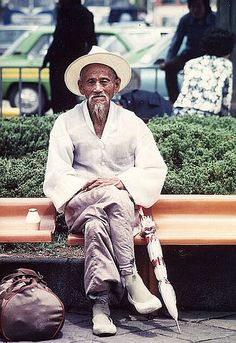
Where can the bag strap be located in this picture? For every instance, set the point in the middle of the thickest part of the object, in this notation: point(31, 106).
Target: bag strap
point(17, 286)
point(29, 272)
point(23, 272)
point(22, 278)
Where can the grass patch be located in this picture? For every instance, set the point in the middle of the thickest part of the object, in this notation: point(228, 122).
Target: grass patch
point(57, 248)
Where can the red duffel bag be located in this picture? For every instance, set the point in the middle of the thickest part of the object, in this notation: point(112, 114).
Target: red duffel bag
point(29, 310)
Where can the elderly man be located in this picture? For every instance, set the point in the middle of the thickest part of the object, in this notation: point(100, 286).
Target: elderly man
point(103, 161)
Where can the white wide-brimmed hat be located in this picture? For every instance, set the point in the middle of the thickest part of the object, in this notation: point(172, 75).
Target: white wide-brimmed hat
point(97, 55)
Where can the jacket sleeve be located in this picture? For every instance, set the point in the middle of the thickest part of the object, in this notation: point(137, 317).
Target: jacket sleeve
point(52, 50)
point(177, 39)
point(61, 180)
point(58, 40)
point(145, 180)
point(92, 38)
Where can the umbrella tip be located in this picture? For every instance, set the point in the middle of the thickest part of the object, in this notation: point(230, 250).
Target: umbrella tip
point(178, 326)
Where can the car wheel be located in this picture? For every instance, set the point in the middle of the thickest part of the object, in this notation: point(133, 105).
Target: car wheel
point(31, 103)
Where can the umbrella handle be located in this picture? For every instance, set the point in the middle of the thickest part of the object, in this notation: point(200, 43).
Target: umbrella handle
point(178, 327)
point(140, 211)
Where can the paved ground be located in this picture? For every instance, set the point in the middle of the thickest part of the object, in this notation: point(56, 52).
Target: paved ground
point(217, 327)
point(197, 327)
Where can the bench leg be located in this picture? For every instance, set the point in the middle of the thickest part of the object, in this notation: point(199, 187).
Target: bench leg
point(142, 263)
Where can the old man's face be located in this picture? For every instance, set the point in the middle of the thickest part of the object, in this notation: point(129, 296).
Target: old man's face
point(98, 83)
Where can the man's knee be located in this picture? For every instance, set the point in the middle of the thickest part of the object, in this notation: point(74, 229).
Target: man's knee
point(119, 197)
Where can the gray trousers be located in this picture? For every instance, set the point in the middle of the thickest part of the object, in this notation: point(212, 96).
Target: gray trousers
point(106, 216)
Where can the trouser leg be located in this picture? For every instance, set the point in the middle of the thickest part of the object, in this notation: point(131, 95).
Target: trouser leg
point(121, 220)
point(100, 264)
point(172, 68)
point(108, 217)
point(172, 84)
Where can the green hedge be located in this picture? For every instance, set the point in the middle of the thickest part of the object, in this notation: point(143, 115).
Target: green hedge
point(200, 154)
point(23, 177)
point(19, 136)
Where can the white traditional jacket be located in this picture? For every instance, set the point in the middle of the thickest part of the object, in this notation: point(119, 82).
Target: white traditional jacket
point(126, 150)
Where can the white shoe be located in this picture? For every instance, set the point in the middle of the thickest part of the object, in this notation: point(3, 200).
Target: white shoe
point(139, 295)
point(102, 323)
point(146, 307)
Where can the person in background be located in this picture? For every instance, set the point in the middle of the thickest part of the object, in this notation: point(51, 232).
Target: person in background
point(102, 161)
point(192, 25)
point(74, 36)
point(208, 80)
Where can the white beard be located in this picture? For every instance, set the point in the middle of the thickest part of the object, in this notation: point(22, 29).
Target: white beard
point(99, 111)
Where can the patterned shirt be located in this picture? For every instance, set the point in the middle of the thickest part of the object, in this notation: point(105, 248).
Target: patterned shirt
point(207, 86)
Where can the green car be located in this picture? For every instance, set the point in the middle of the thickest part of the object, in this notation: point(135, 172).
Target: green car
point(20, 65)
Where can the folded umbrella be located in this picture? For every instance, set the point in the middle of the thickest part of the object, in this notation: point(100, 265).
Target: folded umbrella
point(156, 257)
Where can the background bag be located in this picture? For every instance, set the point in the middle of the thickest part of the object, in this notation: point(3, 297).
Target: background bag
point(146, 104)
point(29, 310)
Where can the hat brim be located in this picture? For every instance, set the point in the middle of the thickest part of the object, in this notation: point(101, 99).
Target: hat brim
point(116, 62)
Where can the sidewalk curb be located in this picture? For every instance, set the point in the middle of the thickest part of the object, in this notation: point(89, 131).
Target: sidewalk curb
point(63, 275)
point(203, 277)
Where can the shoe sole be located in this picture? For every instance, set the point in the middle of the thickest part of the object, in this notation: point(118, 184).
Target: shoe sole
point(151, 306)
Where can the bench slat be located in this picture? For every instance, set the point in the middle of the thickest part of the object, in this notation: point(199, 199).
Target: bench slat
point(178, 237)
point(196, 204)
point(25, 236)
point(78, 239)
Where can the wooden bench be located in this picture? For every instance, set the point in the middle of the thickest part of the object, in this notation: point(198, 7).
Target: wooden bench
point(184, 220)
point(180, 220)
point(13, 212)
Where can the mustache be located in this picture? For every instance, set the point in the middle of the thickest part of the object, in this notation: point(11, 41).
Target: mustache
point(98, 95)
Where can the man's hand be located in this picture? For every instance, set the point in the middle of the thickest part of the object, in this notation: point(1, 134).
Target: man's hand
point(102, 182)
